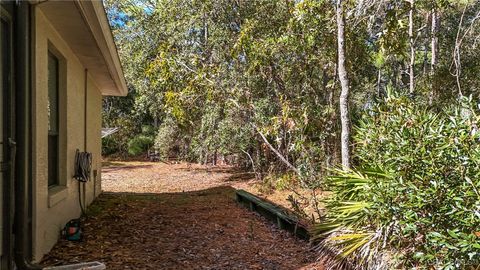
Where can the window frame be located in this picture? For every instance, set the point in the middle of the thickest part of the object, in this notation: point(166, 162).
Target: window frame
point(53, 135)
point(60, 183)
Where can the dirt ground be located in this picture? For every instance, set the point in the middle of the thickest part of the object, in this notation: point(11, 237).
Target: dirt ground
point(179, 216)
point(158, 177)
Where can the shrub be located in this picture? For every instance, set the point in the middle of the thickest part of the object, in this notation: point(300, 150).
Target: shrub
point(109, 146)
point(139, 144)
point(278, 181)
point(149, 131)
point(117, 143)
point(421, 204)
point(286, 181)
point(166, 138)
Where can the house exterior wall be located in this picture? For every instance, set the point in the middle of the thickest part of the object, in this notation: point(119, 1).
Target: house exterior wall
point(53, 207)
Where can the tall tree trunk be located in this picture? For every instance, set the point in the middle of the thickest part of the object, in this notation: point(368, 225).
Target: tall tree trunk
point(342, 74)
point(433, 48)
point(434, 41)
point(456, 53)
point(412, 47)
point(379, 82)
point(215, 157)
point(425, 46)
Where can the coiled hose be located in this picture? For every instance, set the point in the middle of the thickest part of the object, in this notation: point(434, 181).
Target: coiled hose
point(83, 167)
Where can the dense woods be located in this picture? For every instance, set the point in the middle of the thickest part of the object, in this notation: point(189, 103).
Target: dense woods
point(375, 101)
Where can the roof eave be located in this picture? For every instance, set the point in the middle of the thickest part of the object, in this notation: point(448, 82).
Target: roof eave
point(95, 17)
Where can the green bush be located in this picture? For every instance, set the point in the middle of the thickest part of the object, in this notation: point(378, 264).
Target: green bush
point(109, 146)
point(286, 181)
point(139, 144)
point(421, 210)
point(117, 143)
point(149, 131)
point(165, 140)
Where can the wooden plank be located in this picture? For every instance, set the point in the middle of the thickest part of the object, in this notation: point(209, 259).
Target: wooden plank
point(273, 212)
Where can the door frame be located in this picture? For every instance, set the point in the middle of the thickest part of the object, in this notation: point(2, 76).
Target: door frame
point(9, 126)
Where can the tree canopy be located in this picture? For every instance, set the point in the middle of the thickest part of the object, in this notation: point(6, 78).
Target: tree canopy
point(261, 83)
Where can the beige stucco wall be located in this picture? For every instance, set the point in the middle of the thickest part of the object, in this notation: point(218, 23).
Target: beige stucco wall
point(52, 208)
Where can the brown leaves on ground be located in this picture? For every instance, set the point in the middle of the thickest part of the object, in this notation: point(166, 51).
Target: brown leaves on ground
point(178, 217)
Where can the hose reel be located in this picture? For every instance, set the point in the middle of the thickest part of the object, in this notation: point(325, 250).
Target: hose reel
point(83, 166)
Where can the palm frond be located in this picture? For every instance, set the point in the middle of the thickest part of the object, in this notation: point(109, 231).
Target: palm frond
point(348, 231)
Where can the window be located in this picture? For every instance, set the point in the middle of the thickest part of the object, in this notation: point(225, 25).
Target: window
point(53, 108)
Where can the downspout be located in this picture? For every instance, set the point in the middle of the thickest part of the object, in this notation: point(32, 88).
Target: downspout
point(85, 104)
point(82, 184)
point(85, 112)
point(23, 134)
point(85, 137)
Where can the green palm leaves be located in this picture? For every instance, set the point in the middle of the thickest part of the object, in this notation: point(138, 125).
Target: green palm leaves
point(349, 230)
point(419, 207)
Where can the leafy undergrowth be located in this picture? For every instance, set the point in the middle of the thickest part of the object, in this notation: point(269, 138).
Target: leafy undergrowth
point(178, 220)
point(413, 202)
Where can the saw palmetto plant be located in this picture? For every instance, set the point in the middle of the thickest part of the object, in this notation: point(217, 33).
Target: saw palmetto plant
point(418, 209)
point(355, 237)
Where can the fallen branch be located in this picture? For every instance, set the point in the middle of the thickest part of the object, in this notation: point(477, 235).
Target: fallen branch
point(253, 164)
point(283, 159)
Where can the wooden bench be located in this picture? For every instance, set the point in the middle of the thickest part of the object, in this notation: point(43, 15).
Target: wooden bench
point(274, 213)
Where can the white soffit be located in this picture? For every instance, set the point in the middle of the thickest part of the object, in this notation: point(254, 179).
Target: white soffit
point(84, 26)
